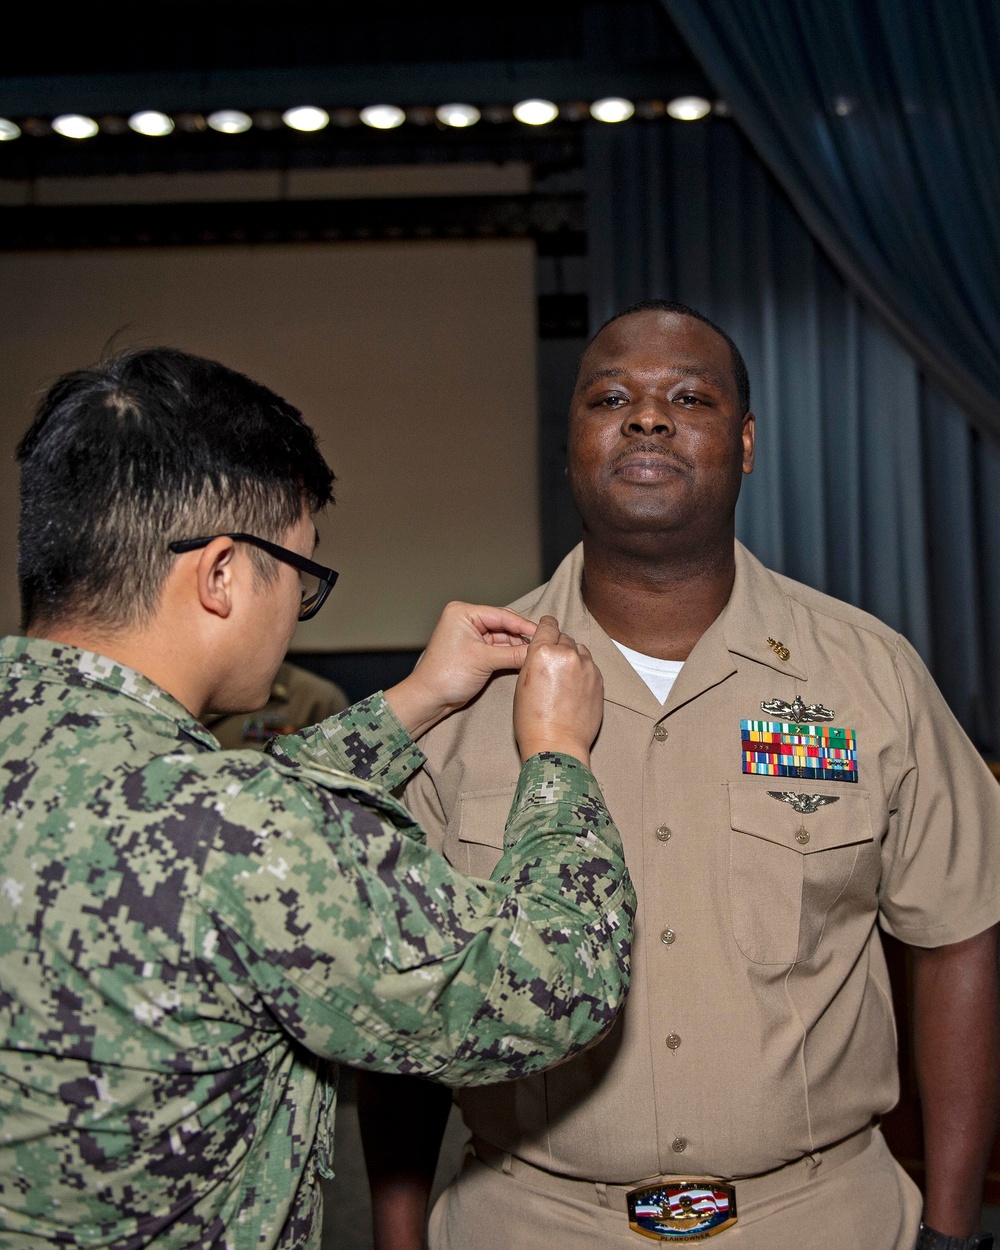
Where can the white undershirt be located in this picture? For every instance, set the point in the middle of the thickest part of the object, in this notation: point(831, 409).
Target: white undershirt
point(659, 675)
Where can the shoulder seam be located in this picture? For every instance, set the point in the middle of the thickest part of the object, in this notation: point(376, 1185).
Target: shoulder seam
point(908, 719)
point(868, 622)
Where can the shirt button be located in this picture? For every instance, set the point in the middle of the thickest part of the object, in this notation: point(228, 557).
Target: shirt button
point(661, 733)
point(679, 1145)
point(664, 833)
point(673, 1041)
point(802, 837)
point(668, 937)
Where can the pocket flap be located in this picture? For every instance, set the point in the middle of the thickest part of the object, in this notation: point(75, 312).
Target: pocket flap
point(482, 816)
point(844, 822)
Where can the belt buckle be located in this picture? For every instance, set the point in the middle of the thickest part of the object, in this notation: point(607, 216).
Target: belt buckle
point(688, 1210)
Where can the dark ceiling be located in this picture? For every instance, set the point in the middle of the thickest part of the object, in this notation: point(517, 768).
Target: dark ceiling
point(210, 36)
point(263, 58)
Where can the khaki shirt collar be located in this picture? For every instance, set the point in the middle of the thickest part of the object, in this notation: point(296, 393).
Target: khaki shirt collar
point(757, 610)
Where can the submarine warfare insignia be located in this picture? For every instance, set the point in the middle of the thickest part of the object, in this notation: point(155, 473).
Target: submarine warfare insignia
point(803, 803)
point(797, 711)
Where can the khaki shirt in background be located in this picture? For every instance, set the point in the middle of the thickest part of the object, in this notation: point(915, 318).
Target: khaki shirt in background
point(298, 699)
point(759, 1026)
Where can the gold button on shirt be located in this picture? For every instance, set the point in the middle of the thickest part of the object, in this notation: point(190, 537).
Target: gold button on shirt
point(776, 981)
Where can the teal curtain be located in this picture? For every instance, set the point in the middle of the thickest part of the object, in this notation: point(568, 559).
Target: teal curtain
point(881, 121)
point(870, 482)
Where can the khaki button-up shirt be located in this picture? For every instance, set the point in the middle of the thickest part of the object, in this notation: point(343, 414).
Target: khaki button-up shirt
point(759, 1025)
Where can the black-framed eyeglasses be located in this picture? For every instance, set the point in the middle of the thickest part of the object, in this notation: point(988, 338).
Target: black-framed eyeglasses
point(317, 580)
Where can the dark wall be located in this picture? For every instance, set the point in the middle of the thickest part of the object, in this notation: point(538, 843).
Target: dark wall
point(359, 673)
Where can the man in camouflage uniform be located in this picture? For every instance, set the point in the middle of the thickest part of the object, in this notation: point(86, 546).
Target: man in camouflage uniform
point(188, 936)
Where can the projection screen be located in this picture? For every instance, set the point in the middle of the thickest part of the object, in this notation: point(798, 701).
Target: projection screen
point(414, 362)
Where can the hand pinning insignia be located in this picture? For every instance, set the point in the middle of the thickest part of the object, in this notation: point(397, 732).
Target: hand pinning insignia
point(804, 803)
point(779, 648)
point(797, 711)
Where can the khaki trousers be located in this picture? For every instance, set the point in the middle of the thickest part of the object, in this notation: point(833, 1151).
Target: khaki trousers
point(866, 1202)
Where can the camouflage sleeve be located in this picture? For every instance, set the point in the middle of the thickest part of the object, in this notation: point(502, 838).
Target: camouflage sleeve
point(370, 949)
point(366, 740)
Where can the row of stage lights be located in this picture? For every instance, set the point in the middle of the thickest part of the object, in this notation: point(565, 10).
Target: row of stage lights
point(309, 118)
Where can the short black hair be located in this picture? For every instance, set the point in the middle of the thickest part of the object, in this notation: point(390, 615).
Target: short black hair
point(139, 450)
point(740, 375)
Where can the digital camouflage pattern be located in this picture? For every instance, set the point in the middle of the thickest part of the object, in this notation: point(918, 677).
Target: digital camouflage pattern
point(189, 937)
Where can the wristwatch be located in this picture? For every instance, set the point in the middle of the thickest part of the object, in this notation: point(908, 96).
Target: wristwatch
point(931, 1239)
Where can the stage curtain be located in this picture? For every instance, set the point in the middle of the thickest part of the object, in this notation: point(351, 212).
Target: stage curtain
point(871, 484)
point(881, 121)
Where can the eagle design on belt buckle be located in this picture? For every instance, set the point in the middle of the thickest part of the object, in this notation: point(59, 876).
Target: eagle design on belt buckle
point(689, 1210)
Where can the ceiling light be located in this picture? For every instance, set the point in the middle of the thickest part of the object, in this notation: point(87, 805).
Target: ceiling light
point(459, 115)
point(612, 109)
point(151, 122)
point(229, 121)
point(306, 117)
point(535, 112)
point(74, 126)
point(8, 130)
point(383, 116)
point(689, 108)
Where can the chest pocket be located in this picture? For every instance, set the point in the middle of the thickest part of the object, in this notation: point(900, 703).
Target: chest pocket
point(788, 869)
point(474, 841)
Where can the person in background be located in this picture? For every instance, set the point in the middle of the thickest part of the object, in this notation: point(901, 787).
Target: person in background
point(786, 777)
point(191, 937)
point(298, 699)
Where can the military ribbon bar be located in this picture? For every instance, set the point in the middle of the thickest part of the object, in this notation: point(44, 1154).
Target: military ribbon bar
point(809, 752)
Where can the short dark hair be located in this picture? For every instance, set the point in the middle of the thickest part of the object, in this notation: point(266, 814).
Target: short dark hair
point(142, 449)
point(740, 375)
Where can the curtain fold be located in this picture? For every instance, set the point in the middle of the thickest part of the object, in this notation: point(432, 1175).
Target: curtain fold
point(881, 121)
point(870, 483)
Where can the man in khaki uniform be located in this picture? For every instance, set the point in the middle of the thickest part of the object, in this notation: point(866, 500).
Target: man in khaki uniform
point(297, 700)
point(785, 775)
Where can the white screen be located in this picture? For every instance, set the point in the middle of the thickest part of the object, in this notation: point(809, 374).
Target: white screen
point(413, 361)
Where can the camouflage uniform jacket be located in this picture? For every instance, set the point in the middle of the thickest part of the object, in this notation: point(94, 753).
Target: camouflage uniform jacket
point(188, 937)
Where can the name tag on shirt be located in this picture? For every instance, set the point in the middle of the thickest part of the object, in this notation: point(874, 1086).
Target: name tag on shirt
point(811, 752)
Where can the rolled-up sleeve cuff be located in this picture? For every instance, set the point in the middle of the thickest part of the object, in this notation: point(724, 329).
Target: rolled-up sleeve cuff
point(553, 779)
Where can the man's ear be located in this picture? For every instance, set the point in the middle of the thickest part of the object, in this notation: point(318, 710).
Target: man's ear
point(749, 433)
point(215, 574)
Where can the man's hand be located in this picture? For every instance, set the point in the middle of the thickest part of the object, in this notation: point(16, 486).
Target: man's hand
point(469, 644)
point(402, 1122)
point(559, 699)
